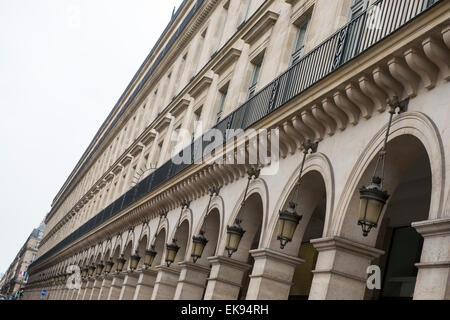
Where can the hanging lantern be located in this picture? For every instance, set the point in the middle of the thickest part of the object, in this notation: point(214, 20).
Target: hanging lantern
point(288, 219)
point(234, 236)
point(99, 269)
point(109, 265)
point(84, 272)
point(120, 263)
point(149, 257)
point(135, 258)
point(372, 201)
point(198, 245)
point(91, 270)
point(287, 223)
point(172, 250)
point(373, 198)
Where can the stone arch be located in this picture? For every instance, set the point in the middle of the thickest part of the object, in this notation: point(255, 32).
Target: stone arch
point(319, 163)
point(127, 252)
point(447, 206)
point(182, 233)
point(145, 233)
point(128, 240)
point(141, 247)
point(108, 249)
point(91, 256)
point(117, 244)
point(414, 124)
point(160, 241)
point(216, 206)
point(259, 188)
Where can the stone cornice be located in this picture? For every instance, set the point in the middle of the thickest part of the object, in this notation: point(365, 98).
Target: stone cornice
point(179, 108)
point(137, 149)
point(264, 23)
point(433, 228)
point(126, 160)
point(149, 136)
point(230, 57)
point(200, 86)
point(338, 243)
point(163, 123)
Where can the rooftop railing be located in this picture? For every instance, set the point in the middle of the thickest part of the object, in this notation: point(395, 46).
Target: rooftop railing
point(373, 25)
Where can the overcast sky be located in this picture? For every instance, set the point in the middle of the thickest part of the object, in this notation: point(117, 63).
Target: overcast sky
point(63, 66)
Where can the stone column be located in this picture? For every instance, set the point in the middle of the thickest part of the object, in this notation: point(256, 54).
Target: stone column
point(51, 293)
point(57, 292)
point(88, 290)
point(166, 283)
point(433, 278)
point(68, 294)
point(272, 273)
point(129, 286)
point(79, 294)
point(341, 268)
point(192, 281)
point(63, 292)
point(95, 289)
point(76, 292)
point(115, 287)
point(73, 294)
point(145, 284)
point(225, 279)
point(104, 288)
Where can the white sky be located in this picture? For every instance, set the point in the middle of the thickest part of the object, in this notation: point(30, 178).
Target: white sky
point(63, 66)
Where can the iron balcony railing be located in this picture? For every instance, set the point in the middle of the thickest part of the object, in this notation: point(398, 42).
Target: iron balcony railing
point(376, 23)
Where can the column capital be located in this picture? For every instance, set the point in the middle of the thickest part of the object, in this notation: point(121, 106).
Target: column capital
point(149, 272)
point(222, 260)
point(167, 269)
point(120, 275)
point(276, 255)
point(429, 228)
point(333, 243)
point(131, 274)
point(193, 266)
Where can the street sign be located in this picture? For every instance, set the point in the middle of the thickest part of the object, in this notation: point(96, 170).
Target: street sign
point(44, 292)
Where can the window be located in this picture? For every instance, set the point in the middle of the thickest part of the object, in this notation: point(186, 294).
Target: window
point(175, 137)
point(36, 245)
point(33, 256)
point(222, 27)
point(245, 13)
point(197, 115)
point(255, 75)
point(199, 50)
point(357, 7)
point(159, 148)
point(300, 40)
point(223, 97)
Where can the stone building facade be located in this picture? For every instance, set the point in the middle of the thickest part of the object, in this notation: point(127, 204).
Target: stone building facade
point(16, 277)
point(284, 72)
